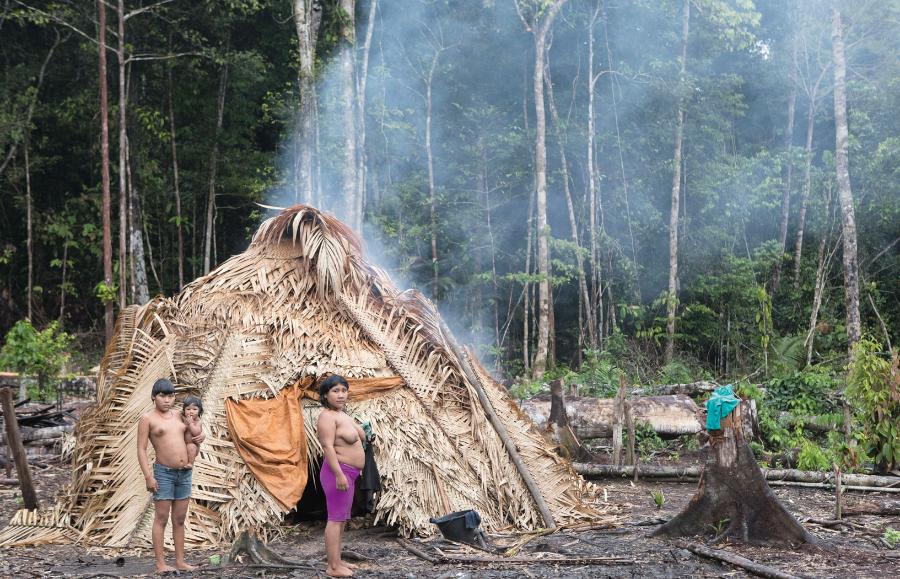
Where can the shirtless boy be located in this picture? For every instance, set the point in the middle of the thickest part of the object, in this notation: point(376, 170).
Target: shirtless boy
point(341, 439)
point(170, 478)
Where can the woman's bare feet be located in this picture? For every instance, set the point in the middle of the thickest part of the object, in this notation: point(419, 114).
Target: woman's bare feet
point(164, 568)
point(184, 566)
point(339, 572)
point(349, 565)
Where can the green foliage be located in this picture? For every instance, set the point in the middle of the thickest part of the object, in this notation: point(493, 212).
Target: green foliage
point(813, 457)
point(647, 441)
point(659, 499)
point(873, 390)
point(31, 352)
point(528, 388)
point(599, 374)
point(106, 293)
point(808, 392)
point(891, 537)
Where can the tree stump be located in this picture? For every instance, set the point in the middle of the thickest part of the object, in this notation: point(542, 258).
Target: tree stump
point(558, 424)
point(733, 500)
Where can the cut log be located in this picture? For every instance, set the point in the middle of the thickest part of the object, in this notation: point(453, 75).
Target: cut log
point(50, 432)
point(593, 417)
point(771, 474)
point(733, 498)
point(694, 389)
point(736, 560)
point(883, 509)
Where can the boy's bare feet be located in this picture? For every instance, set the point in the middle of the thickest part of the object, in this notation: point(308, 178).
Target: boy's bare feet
point(349, 565)
point(164, 568)
point(339, 572)
point(184, 566)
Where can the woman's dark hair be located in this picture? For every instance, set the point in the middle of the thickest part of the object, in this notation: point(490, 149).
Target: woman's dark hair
point(192, 401)
point(327, 384)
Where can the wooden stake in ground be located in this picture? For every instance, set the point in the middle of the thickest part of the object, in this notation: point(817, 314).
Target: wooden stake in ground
point(838, 492)
point(618, 421)
point(733, 499)
point(17, 449)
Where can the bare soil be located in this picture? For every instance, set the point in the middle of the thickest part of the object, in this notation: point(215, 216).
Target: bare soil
point(852, 550)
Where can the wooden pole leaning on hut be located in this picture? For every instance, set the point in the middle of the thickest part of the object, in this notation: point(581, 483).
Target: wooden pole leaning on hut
point(17, 449)
point(733, 497)
point(549, 522)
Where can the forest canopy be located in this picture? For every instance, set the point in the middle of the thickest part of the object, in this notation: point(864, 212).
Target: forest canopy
point(659, 189)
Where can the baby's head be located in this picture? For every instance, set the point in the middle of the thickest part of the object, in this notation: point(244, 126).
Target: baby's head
point(192, 406)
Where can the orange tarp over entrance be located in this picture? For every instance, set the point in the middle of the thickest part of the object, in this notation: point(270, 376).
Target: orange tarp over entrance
point(269, 433)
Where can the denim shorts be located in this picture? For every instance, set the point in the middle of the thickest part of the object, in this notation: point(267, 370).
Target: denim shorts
point(174, 484)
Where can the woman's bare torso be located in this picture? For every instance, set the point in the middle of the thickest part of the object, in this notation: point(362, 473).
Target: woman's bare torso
point(347, 442)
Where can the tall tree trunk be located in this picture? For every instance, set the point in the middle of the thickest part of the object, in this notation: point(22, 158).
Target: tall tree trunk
point(178, 218)
point(615, 108)
point(307, 19)
point(432, 192)
point(108, 321)
point(123, 188)
point(845, 195)
point(786, 192)
point(140, 291)
point(807, 185)
point(526, 317)
point(29, 242)
point(486, 200)
point(584, 298)
point(671, 296)
point(213, 171)
point(540, 170)
point(595, 298)
point(348, 112)
point(822, 266)
point(362, 79)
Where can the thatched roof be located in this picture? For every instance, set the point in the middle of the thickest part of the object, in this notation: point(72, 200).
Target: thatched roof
point(301, 301)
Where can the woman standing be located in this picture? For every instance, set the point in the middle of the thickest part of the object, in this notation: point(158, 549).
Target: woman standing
point(341, 438)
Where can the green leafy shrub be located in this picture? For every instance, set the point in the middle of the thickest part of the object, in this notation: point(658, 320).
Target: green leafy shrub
point(807, 392)
point(891, 537)
point(873, 389)
point(659, 499)
point(29, 351)
point(647, 442)
point(813, 457)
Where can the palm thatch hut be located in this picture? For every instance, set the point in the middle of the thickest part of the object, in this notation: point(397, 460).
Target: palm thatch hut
point(250, 338)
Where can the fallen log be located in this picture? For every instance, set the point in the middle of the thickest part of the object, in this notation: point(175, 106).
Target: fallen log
point(883, 509)
point(692, 389)
point(9, 482)
point(593, 417)
point(691, 473)
point(736, 560)
point(49, 432)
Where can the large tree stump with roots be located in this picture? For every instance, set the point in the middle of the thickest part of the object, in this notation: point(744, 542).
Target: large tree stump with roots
point(733, 499)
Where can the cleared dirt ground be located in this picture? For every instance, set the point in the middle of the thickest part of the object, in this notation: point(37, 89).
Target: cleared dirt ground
point(852, 550)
